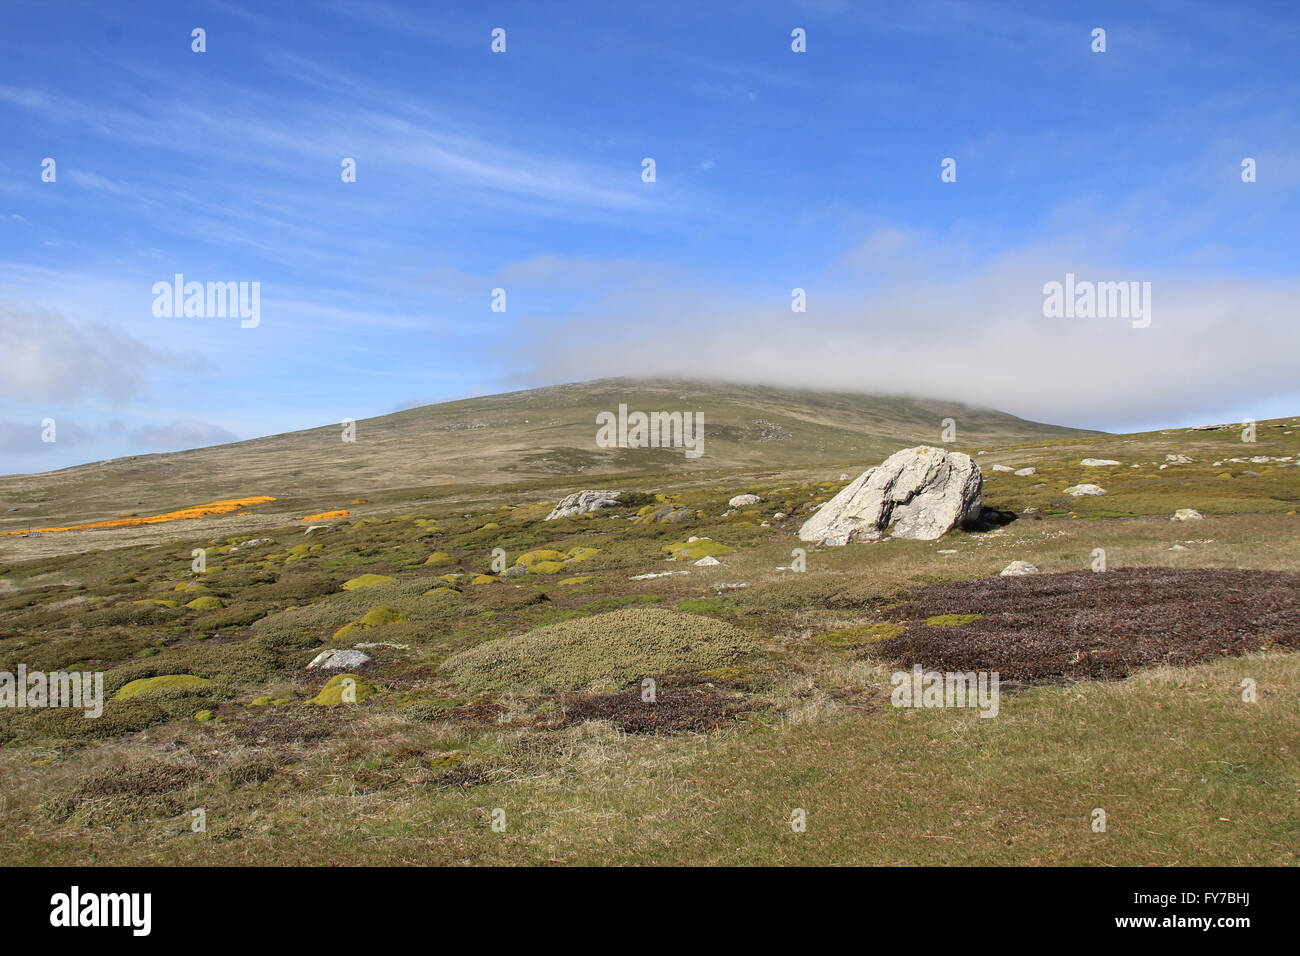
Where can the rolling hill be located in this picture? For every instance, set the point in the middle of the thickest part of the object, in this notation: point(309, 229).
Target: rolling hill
point(539, 437)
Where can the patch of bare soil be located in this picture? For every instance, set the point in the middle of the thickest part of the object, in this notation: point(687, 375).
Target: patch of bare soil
point(1100, 626)
point(681, 704)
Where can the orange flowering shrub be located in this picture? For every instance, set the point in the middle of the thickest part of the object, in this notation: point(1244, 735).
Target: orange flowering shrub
point(327, 514)
point(197, 511)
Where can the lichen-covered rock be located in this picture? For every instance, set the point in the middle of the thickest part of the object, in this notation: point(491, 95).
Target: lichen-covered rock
point(668, 514)
point(1077, 491)
point(334, 660)
point(1025, 472)
point(1098, 462)
point(1187, 514)
point(582, 502)
point(1017, 568)
point(744, 501)
point(921, 493)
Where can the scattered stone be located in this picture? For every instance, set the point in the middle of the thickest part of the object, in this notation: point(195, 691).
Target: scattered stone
point(1187, 514)
point(1177, 547)
point(921, 492)
point(582, 502)
point(655, 574)
point(1003, 468)
point(744, 501)
point(1017, 567)
point(333, 660)
point(1178, 459)
point(1076, 491)
point(707, 561)
point(1098, 462)
point(1025, 472)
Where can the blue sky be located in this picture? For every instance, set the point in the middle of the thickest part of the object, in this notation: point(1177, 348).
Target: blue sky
point(522, 170)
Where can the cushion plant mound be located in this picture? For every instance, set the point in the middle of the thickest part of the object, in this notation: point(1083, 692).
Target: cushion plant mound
point(367, 581)
point(377, 617)
point(624, 646)
point(332, 694)
point(699, 548)
point(530, 558)
point(437, 559)
point(862, 634)
point(666, 514)
point(581, 554)
point(205, 603)
point(483, 579)
point(147, 685)
point(347, 630)
point(580, 579)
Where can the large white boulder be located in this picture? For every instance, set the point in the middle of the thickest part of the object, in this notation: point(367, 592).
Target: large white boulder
point(744, 501)
point(333, 660)
point(581, 502)
point(921, 492)
point(1077, 491)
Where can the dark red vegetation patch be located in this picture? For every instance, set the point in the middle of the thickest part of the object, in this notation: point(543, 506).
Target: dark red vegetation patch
point(681, 704)
point(1099, 626)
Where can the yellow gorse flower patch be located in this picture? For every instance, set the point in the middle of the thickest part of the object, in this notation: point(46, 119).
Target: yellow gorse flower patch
point(328, 514)
point(197, 511)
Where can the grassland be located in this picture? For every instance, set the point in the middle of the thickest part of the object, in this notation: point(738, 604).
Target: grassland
point(798, 715)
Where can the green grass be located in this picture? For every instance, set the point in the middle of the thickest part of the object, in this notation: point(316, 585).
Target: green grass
point(471, 684)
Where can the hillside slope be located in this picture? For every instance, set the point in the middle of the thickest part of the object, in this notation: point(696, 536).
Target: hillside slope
point(515, 438)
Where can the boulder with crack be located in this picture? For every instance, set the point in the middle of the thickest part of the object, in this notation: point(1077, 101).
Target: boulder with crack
point(581, 502)
point(921, 493)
